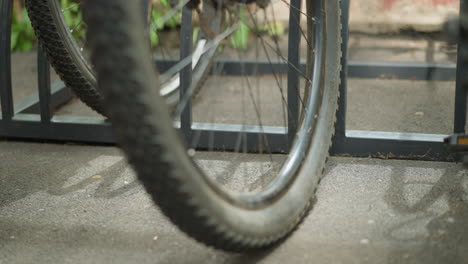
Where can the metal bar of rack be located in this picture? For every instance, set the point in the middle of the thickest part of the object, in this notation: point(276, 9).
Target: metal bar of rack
point(186, 73)
point(33, 117)
point(462, 61)
point(294, 40)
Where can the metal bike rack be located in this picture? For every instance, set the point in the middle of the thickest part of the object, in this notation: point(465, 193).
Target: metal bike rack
point(403, 145)
point(33, 117)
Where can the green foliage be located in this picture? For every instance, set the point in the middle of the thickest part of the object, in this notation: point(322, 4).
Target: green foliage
point(73, 18)
point(22, 33)
point(240, 37)
point(175, 20)
point(23, 38)
point(274, 29)
point(156, 24)
point(196, 31)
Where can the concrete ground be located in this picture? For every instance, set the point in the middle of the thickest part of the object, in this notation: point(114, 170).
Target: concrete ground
point(69, 203)
point(81, 204)
point(384, 16)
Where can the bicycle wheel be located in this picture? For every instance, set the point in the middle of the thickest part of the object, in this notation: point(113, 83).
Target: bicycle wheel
point(58, 24)
point(214, 208)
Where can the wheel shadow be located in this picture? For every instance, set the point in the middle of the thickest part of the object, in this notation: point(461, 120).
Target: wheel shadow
point(29, 168)
point(441, 213)
point(99, 172)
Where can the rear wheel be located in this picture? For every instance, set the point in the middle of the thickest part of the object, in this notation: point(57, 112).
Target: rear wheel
point(228, 198)
point(60, 30)
point(63, 50)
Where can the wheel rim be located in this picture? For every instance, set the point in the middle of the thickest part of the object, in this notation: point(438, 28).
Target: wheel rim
point(313, 91)
point(310, 107)
point(75, 49)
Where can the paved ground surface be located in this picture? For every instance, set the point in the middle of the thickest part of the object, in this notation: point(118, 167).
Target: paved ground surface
point(384, 16)
point(81, 204)
point(390, 16)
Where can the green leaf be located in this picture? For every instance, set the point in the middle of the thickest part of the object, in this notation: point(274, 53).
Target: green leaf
point(25, 17)
point(156, 15)
point(275, 29)
point(172, 22)
point(14, 40)
point(240, 37)
point(26, 46)
point(165, 3)
point(154, 38)
point(196, 30)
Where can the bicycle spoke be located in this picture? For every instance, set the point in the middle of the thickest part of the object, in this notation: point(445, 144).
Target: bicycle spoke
point(76, 26)
point(168, 15)
point(300, 11)
point(70, 7)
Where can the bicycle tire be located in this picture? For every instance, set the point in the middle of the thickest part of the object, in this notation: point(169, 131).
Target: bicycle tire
point(155, 150)
point(66, 58)
point(63, 55)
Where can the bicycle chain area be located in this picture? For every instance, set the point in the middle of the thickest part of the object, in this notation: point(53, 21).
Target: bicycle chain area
point(33, 117)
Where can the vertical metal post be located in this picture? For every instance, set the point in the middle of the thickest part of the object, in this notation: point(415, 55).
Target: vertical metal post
point(185, 74)
point(43, 78)
point(294, 40)
point(145, 8)
point(6, 93)
point(340, 126)
point(462, 70)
